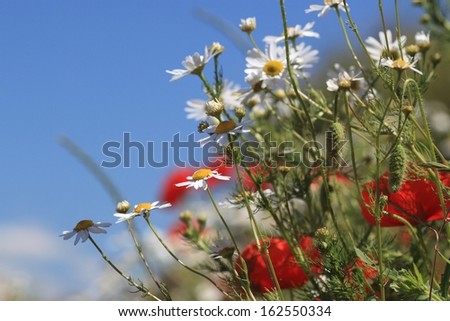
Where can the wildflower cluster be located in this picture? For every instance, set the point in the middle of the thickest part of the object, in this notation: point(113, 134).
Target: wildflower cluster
point(341, 191)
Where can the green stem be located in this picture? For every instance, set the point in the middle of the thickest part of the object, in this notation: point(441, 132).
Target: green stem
point(247, 288)
point(181, 262)
point(399, 34)
point(383, 22)
point(130, 280)
point(223, 220)
point(358, 36)
point(208, 87)
point(138, 247)
point(349, 44)
point(352, 146)
point(308, 120)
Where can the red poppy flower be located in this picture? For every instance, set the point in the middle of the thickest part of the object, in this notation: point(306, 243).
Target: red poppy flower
point(259, 173)
point(416, 201)
point(287, 270)
point(333, 179)
point(370, 273)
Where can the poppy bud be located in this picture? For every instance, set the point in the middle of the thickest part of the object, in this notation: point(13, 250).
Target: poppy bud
point(397, 166)
point(334, 139)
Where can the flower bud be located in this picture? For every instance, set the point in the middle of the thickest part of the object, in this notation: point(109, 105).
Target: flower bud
point(201, 222)
point(425, 19)
point(216, 49)
point(186, 217)
point(284, 170)
point(334, 139)
point(248, 25)
point(436, 59)
point(423, 41)
point(122, 207)
point(214, 108)
point(239, 112)
point(202, 126)
point(397, 167)
point(407, 109)
point(412, 50)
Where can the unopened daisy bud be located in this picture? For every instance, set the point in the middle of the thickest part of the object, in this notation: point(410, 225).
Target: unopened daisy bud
point(334, 140)
point(202, 126)
point(279, 94)
point(324, 238)
point(436, 59)
point(407, 109)
point(284, 170)
point(425, 19)
point(397, 167)
point(323, 233)
point(412, 50)
point(214, 108)
point(201, 222)
point(239, 112)
point(291, 94)
point(248, 25)
point(186, 216)
point(123, 207)
point(384, 199)
point(216, 49)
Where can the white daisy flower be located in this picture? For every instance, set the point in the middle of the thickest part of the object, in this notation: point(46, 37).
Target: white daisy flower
point(82, 230)
point(248, 24)
point(328, 4)
point(305, 56)
point(141, 209)
point(199, 178)
point(294, 32)
point(219, 133)
point(193, 64)
point(386, 47)
point(344, 80)
point(267, 66)
point(195, 109)
point(270, 66)
point(229, 96)
point(401, 64)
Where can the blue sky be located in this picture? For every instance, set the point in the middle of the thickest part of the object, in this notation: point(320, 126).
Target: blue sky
point(91, 70)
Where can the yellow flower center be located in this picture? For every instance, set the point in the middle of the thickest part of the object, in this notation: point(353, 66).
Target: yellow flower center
point(201, 174)
point(273, 68)
point(142, 207)
point(225, 127)
point(83, 225)
point(345, 84)
point(399, 64)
